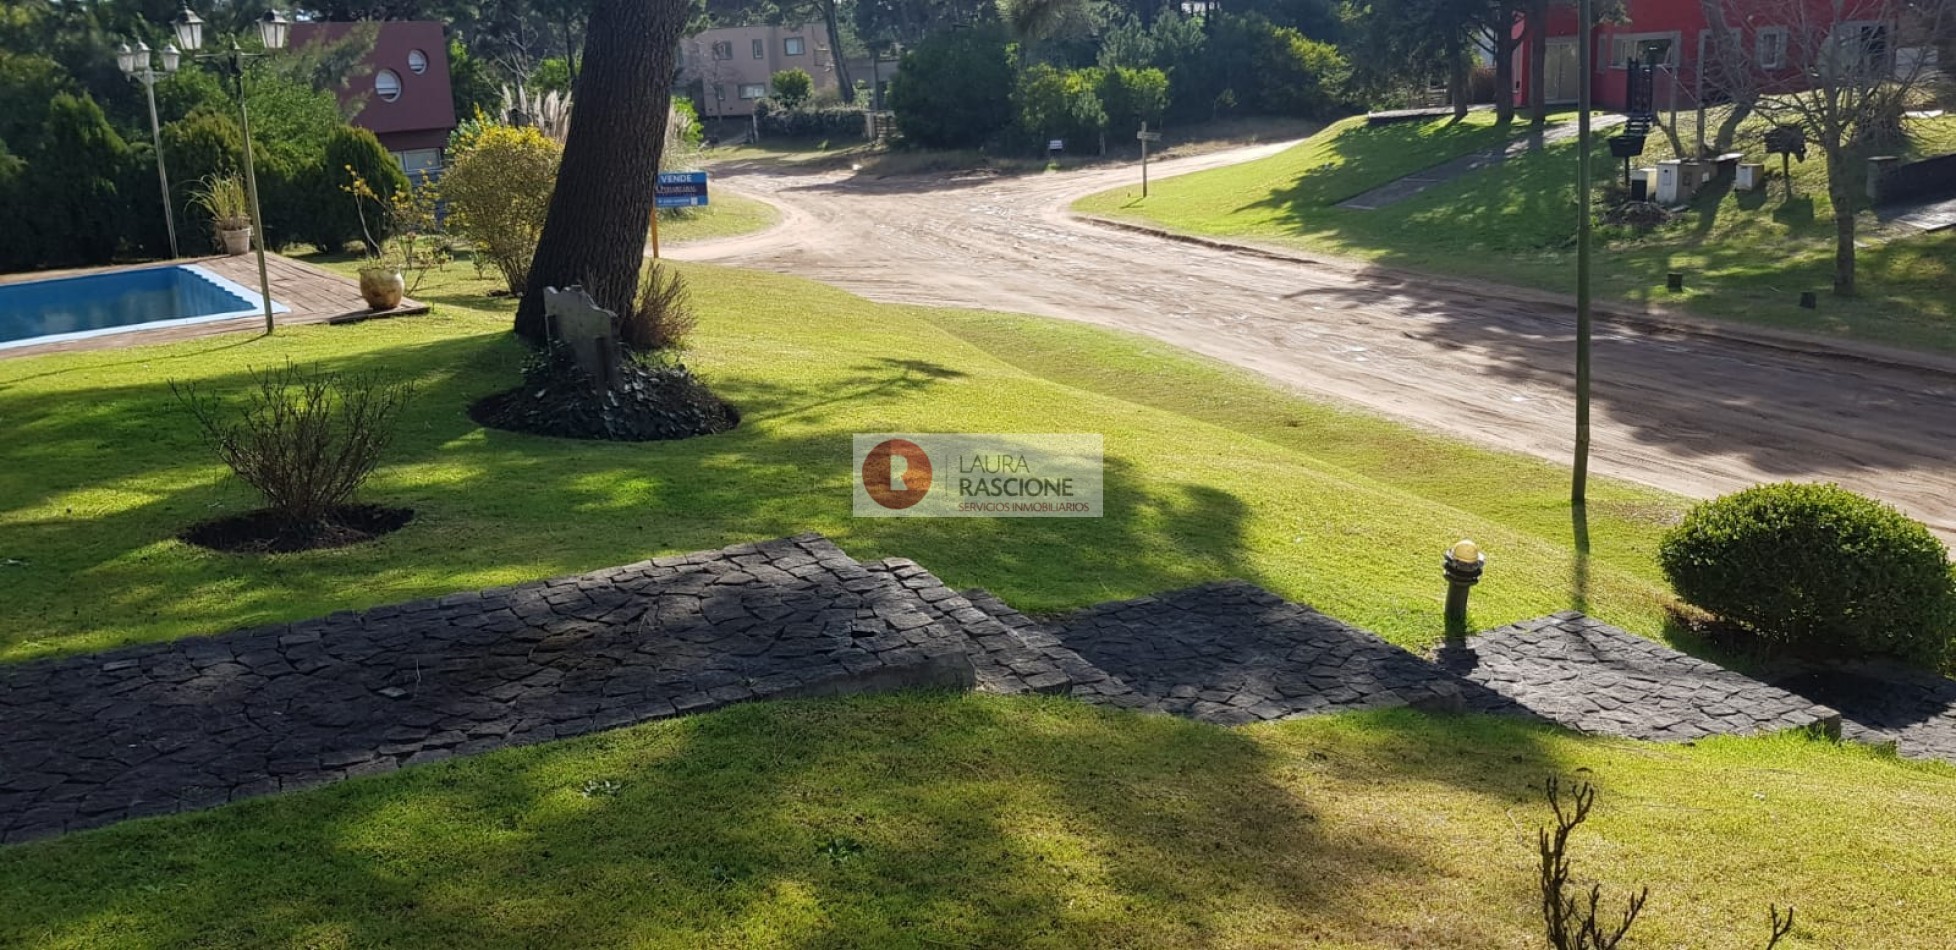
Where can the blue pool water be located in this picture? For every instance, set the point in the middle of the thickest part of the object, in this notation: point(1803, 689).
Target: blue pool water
point(73, 308)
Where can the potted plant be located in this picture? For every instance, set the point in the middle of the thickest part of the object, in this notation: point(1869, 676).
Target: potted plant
point(381, 283)
point(223, 198)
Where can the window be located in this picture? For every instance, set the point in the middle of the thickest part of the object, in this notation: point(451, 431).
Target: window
point(760, 49)
point(420, 164)
point(417, 62)
point(723, 50)
point(753, 90)
point(1859, 49)
point(1659, 48)
point(1772, 48)
point(387, 85)
point(794, 46)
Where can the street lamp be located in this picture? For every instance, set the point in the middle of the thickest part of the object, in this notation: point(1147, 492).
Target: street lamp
point(138, 65)
point(274, 31)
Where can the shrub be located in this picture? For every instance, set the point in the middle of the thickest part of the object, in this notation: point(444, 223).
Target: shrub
point(1131, 97)
point(498, 193)
point(306, 441)
point(1061, 104)
point(661, 315)
point(1818, 569)
point(954, 89)
point(328, 218)
point(71, 182)
point(792, 87)
point(809, 122)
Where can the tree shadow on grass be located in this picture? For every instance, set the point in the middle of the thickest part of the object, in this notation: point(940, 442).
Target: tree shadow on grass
point(923, 820)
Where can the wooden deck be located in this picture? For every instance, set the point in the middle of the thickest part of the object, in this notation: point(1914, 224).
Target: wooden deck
point(312, 294)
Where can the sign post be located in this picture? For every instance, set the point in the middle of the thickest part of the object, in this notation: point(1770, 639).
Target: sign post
point(675, 190)
point(1144, 137)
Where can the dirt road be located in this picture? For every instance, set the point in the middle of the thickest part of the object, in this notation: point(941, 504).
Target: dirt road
point(1691, 414)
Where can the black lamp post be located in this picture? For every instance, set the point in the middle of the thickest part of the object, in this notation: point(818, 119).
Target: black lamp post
point(1462, 563)
point(274, 31)
point(137, 64)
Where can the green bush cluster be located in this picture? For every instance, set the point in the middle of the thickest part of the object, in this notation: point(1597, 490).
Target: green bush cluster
point(1084, 106)
point(1819, 570)
point(1236, 61)
point(792, 87)
point(954, 89)
point(808, 122)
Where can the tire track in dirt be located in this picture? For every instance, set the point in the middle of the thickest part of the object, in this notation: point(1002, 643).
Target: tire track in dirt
point(1694, 414)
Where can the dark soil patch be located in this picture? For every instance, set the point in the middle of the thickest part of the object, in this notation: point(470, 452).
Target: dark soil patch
point(649, 403)
point(265, 531)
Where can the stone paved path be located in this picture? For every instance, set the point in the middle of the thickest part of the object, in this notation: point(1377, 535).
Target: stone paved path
point(194, 723)
point(1881, 704)
point(1592, 677)
point(169, 727)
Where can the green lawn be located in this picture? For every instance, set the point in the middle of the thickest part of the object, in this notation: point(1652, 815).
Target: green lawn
point(727, 216)
point(1211, 474)
point(1746, 256)
point(971, 821)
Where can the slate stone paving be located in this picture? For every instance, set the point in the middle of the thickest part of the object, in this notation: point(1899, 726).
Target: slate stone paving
point(1592, 677)
point(177, 726)
point(1881, 703)
point(1233, 653)
point(169, 727)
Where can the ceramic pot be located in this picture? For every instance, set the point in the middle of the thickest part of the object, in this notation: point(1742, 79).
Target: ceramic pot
point(381, 288)
point(236, 241)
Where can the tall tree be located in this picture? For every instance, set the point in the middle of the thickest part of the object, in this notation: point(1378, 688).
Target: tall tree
point(602, 206)
point(1843, 83)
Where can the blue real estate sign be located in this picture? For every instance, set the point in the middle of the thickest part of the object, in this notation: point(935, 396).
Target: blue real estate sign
point(681, 189)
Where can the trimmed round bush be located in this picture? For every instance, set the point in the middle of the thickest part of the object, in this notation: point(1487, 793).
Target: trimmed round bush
point(1819, 570)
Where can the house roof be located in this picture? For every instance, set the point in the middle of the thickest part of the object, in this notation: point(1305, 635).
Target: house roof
point(425, 101)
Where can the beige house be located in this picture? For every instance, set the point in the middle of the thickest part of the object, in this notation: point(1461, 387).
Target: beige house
point(733, 64)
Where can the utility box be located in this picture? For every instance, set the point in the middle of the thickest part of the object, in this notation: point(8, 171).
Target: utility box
point(1670, 188)
point(1751, 176)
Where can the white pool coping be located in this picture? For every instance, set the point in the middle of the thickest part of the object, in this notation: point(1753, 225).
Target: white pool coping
point(224, 283)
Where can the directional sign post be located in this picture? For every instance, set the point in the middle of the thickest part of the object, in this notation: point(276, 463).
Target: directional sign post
point(1145, 136)
point(676, 190)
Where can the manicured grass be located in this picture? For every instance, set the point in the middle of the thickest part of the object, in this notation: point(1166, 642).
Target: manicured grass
point(970, 821)
point(727, 216)
point(1211, 474)
point(1746, 256)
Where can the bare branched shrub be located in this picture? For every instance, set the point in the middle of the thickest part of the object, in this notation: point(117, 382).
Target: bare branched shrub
point(1781, 925)
point(1573, 923)
point(661, 316)
point(306, 440)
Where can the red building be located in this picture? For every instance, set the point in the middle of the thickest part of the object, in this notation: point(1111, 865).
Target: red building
point(403, 91)
point(1772, 43)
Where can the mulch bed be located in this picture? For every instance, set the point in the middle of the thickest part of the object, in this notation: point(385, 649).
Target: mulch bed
point(648, 404)
point(265, 531)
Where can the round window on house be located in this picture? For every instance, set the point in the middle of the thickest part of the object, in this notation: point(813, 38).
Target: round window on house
point(387, 85)
point(417, 62)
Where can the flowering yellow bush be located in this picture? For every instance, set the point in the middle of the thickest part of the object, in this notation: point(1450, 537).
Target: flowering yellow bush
point(497, 187)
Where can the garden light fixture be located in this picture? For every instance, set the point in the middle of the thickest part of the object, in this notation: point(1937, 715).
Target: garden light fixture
point(138, 65)
point(1462, 565)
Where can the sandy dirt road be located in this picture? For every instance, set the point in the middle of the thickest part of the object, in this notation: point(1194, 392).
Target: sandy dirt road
point(1692, 414)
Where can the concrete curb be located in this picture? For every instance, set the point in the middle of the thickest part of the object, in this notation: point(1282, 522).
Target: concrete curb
point(1792, 341)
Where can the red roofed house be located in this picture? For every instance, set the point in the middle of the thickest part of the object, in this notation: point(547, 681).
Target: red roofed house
point(407, 103)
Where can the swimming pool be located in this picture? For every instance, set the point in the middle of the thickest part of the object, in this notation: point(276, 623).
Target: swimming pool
point(73, 308)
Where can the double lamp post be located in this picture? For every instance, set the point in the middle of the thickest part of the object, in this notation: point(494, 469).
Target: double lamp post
point(275, 31)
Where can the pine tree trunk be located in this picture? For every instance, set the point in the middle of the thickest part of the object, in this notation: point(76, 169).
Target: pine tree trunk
point(832, 20)
point(1457, 82)
point(1504, 76)
point(1538, 14)
point(599, 214)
